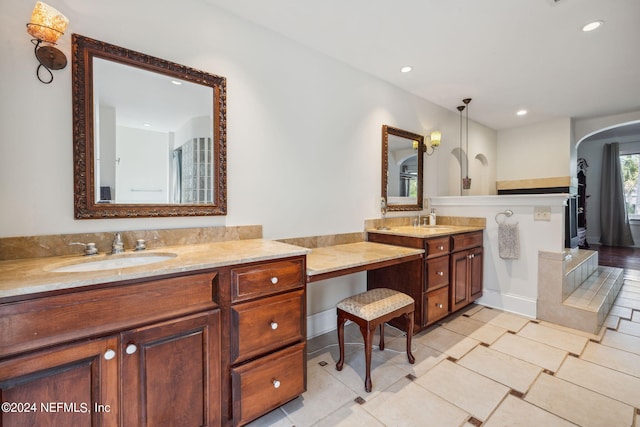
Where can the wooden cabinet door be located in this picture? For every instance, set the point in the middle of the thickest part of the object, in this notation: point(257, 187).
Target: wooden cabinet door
point(171, 372)
point(70, 385)
point(459, 286)
point(475, 274)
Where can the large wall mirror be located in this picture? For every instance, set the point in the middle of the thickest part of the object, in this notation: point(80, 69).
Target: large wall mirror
point(149, 135)
point(402, 164)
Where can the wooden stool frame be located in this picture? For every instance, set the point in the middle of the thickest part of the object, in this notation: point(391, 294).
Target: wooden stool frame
point(367, 328)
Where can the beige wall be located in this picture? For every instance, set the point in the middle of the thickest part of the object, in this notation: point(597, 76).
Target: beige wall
point(542, 150)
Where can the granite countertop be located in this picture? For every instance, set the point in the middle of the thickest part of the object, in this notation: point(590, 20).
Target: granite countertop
point(426, 231)
point(352, 255)
point(34, 275)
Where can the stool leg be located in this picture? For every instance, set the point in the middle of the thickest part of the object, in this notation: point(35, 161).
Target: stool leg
point(409, 317)
point(381, 345)
point(341, 322)
point(367, 334)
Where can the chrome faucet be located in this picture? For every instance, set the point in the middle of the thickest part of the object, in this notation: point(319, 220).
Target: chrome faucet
point(117, 247)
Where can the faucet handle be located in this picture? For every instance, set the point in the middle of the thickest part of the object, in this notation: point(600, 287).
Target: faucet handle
point(89, 248)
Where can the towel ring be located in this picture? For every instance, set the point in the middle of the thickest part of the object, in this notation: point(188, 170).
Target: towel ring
point(506, 213)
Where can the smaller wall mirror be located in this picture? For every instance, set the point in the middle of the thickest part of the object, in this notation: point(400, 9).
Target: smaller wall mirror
point(402, 164)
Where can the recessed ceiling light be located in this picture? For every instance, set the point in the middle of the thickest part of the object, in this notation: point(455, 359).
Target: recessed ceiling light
point(521, 113)
point(146, 125)
point(406, 69)
point(176, 82)
point(592, 26)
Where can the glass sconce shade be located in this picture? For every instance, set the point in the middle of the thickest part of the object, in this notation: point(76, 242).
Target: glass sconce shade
point(47, 24)
point(436, 136)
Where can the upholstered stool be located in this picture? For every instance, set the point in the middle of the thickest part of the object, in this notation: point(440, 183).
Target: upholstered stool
point(368, 310)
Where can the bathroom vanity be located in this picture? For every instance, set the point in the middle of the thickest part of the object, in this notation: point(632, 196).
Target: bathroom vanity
point(448, 278)
point(213, 336)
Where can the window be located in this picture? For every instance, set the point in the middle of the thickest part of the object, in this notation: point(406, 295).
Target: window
point(630, 164)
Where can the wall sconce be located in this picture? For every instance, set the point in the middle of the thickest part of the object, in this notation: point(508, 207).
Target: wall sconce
point(434, 139)
point(47, 26)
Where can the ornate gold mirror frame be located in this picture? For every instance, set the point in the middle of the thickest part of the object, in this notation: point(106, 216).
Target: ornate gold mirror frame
point(399, 145)
point(88, 205)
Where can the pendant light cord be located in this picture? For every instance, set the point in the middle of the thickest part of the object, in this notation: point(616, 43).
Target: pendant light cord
point(460, 108)
point(466, 102)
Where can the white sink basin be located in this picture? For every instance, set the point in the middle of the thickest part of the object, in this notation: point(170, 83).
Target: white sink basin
point(112, 262)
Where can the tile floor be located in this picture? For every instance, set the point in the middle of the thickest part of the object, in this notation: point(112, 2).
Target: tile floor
point(482, 367)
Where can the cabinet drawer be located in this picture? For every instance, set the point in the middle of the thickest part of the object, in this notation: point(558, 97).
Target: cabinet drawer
point(437, 272)
point(267, 383)
point(437, 247)
point(466, 241)
point(436, 305)
point(267, 324)
point(40, 322)
point(265, 279)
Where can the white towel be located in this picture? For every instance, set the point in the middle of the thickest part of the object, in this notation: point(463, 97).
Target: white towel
point(508, 241)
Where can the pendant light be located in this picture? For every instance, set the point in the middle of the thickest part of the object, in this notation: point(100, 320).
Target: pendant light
point(466, 181)
point(460, 108)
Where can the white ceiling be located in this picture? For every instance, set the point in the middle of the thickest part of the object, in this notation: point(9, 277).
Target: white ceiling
point(505, 54)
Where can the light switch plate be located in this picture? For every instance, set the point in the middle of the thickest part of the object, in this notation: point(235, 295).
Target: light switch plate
point(542, 213)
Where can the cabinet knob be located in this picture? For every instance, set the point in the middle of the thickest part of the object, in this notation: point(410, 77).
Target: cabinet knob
point(276, 384)
point(131, 348)
point(109, 354)
point(472, 256)
point(440, 273)
point(274, 280)
point(441, 248)
point(439, 305)
point(274, 325)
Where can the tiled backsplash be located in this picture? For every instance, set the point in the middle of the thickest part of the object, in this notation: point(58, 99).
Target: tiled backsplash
point(326, 240)
point(441, 220)
point(59, 244)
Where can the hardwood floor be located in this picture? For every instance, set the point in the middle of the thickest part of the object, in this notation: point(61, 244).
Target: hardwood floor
point(618, 256)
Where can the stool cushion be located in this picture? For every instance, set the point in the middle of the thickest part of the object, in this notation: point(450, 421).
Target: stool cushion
point(374, 303)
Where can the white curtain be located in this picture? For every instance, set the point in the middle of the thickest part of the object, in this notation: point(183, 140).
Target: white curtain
point(614, 221)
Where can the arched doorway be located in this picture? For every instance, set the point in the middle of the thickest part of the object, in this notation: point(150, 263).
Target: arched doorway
point(589, 155)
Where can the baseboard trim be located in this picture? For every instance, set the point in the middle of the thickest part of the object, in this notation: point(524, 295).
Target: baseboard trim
point(321, 323)
point(508, 302)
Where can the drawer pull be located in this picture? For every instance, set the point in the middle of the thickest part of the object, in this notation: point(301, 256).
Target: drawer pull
point(439, 305)
point(440, 273)
point(109, 354)
point(274, 280)
point(131, 348)
point(441, 248)
point(276, 384)
point(274, 325)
